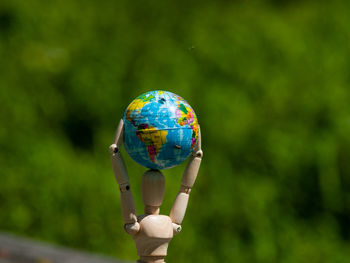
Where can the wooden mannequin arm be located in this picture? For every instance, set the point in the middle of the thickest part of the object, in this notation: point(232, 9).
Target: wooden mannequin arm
point(121, 175)
point(180, 204)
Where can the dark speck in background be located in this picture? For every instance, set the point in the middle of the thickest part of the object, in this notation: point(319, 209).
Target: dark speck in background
point(6, 20)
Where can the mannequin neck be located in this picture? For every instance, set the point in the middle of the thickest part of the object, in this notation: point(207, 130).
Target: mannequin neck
point(151, 210)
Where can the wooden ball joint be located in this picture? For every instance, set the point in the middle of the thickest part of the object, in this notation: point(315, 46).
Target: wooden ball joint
point(151, 231)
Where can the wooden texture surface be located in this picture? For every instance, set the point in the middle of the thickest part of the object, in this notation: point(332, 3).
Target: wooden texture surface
point(20, 250)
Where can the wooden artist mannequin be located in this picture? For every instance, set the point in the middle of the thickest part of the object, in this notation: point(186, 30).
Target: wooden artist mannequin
point(152, 232)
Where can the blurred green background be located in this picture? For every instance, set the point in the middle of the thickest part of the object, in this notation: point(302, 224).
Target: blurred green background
point(269, 81)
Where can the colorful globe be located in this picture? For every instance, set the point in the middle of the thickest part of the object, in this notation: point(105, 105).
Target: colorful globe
point(160, 129)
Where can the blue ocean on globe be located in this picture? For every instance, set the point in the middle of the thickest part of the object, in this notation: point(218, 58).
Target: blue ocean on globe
point(160, 129)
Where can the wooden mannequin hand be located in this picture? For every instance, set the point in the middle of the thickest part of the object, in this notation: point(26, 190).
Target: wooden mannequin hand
point(121, 175)
point(192, 168)
point(113, 149)
point(178, 210)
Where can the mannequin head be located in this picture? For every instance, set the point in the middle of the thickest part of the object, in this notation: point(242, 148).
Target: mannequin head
point(152, 188)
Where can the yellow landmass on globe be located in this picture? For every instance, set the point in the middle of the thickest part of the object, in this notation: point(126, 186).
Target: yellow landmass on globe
point(153, 139)
point(135, 105)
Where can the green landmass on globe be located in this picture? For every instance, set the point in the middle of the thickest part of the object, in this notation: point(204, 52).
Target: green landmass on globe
point(160, 129)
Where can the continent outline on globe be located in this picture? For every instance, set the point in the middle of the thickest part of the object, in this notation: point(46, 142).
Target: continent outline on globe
point(161, 129)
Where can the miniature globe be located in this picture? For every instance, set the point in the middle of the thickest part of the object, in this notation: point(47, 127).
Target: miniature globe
point(160, 129)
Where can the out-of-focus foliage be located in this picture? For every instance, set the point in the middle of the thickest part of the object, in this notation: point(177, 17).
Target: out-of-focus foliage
point(269, 81)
